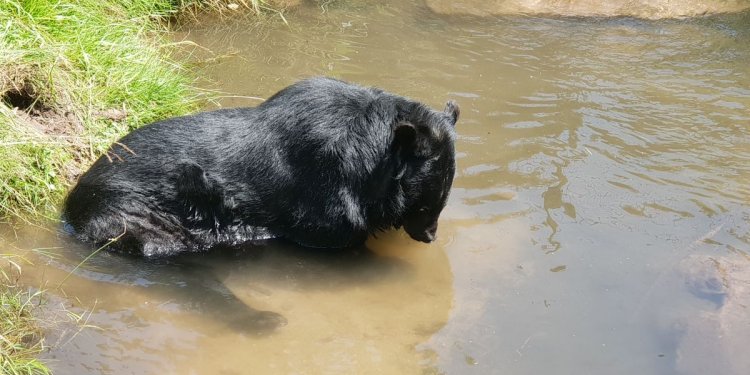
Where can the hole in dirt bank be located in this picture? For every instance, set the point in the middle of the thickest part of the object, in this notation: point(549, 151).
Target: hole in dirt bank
point(33, 112)
point(23, 97)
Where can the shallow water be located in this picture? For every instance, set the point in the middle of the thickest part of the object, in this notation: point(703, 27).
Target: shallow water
point(599, 221)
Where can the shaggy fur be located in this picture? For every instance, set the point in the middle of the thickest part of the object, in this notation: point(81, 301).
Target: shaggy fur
point(322, 163)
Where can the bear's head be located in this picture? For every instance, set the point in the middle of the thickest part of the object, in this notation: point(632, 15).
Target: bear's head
point(425, 142)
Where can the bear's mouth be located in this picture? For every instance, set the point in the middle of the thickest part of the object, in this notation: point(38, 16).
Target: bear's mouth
point(423, 237)
point(422, 234)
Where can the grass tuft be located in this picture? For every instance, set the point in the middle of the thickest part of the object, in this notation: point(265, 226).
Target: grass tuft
point(20, 337)
point(30, 166)
point(192, 9)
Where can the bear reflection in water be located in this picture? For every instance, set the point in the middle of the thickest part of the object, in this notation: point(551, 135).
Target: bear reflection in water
point(201, 282)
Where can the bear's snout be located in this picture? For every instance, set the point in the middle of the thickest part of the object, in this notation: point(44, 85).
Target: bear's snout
point(427, 235)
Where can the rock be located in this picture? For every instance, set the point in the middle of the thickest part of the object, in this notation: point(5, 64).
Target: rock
point(704, 279)
point(651, 9)
point(715, 341)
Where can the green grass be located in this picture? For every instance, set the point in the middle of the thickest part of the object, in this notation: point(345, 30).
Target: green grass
point(86, 71)
point(30, 168)
point(20, 337)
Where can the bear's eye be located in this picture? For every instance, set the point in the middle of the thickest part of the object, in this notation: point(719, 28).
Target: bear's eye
point(423, 209)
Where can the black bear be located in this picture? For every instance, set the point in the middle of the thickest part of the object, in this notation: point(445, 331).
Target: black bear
point(322, 163)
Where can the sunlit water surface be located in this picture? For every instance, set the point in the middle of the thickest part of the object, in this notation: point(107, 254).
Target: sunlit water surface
point(599, 221)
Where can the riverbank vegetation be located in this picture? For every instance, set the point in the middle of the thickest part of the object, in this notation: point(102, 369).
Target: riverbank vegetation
point(20, 336)
point(74, 76)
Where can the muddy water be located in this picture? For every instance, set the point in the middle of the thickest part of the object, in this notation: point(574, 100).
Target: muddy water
point(599, 222)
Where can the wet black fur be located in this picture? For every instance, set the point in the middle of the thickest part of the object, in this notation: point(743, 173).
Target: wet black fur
point(322, 163)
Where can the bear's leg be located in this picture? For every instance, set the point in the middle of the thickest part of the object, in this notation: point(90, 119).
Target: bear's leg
point(200, 198)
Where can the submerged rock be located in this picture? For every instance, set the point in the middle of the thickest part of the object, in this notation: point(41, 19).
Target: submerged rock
point(716, 339)
point(651, 9)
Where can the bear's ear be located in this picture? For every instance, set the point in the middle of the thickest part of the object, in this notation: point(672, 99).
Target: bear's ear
point(405, 135)
point(412, 141)
point(452, 110)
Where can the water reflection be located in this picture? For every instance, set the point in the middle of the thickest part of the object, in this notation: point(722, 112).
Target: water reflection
point(195, 282)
